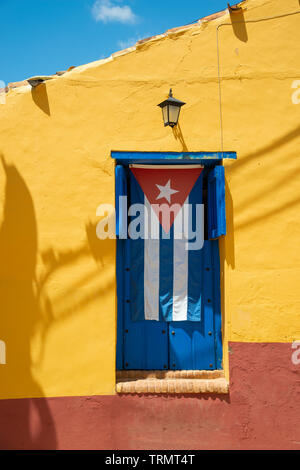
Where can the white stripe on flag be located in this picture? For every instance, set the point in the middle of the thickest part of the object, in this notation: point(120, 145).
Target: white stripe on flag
point(180, 272)
point(151, 271)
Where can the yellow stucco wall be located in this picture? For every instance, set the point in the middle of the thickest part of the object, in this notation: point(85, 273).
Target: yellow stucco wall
point(57, 280)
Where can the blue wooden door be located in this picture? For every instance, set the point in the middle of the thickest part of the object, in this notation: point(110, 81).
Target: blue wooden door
point(149, 345)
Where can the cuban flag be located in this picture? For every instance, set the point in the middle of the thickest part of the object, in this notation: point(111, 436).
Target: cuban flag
point(164, 274)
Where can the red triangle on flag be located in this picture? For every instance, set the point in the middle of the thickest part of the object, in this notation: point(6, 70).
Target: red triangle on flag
point(166, 186)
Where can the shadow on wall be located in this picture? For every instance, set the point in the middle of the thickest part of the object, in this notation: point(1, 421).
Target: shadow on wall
point(228, 241)
point(19, 311)
point(238, 24)
point(179, 136)
point(27, 311)
point(259, 155)
point(66, 305)
point(40, 97)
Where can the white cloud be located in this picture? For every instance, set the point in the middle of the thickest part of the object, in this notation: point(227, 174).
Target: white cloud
point(107, 12)
point(124, 44)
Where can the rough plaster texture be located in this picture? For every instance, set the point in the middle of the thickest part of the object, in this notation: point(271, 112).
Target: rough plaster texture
point(57, 280)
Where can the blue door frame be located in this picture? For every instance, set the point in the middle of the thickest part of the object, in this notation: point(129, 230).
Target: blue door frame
point(175, 345)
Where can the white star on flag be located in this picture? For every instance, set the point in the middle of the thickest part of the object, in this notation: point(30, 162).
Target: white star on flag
point(166, 191)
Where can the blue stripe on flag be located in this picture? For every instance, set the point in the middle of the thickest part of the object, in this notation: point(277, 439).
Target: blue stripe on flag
point(136, 260)
point(166, 276)
point(195, 260)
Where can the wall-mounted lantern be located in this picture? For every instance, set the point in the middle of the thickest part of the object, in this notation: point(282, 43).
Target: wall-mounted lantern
point(170, 110)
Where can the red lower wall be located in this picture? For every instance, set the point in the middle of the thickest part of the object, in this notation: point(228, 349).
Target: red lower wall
point(261, 412)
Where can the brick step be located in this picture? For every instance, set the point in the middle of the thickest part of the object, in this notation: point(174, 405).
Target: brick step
point(173, 385)
point(168, 374)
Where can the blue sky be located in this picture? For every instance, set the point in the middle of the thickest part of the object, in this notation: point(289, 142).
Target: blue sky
point(41, 37)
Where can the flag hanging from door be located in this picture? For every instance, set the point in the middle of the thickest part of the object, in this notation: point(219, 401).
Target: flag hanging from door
point(165, 213)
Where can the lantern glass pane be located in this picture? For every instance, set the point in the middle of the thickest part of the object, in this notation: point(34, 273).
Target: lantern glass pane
point(165, 114)
point(173, 113)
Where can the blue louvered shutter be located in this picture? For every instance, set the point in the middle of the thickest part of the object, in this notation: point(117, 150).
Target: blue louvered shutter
point(120, 190)
point(216, 216)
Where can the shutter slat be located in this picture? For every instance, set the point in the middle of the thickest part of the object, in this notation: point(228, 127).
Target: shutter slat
point(120, 190)
point(216, 215)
